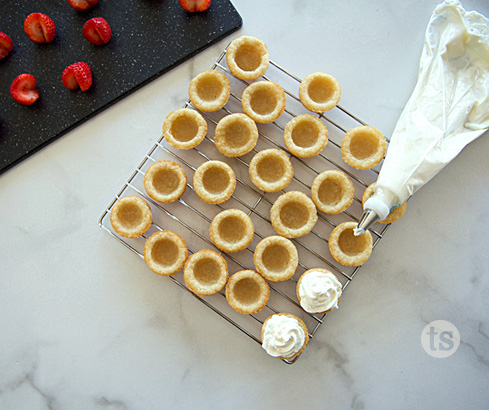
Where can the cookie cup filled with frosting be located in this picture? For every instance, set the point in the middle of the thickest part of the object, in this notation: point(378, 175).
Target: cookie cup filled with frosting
point(318, 291)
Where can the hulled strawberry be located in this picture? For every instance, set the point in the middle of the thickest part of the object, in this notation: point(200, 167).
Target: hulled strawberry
point(6, 45)
point(97, 31)
point(81, 5)
point(195, 5)
point(77, 75)
point(23, 89)
point(39, 28)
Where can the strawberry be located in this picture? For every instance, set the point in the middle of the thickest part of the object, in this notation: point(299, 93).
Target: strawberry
point(6, 45)
point(81, 5)
point(77, 75)
point(39, 28)
point(97, 31)
point(23, 89)
point(195, 5)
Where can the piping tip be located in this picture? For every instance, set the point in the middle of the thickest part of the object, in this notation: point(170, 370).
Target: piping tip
point(368, 218)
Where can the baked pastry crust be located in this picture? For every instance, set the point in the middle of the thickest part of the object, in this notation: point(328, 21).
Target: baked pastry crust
point(247, 292)
point(235, 135)
point(184, 128)
point(131, 217)
point(247, 58)
point(205, 272)
point(299, 284)
point(263, 101)
point(165, 181)
point(305, 136)
point(319, 92)
point(165, 253)
point(209, 91)
point(214, 182)
point(394, 215)
point(348, 249)
point(231, 230)
point(276, 258)
point(363, 147)
point(271, 170)
point(332, 192)
point(293, 214)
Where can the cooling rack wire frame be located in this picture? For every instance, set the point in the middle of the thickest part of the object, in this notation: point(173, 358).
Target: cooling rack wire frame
point(190, 217)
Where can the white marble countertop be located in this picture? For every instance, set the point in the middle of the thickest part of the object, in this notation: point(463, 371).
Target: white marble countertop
point(85, 325)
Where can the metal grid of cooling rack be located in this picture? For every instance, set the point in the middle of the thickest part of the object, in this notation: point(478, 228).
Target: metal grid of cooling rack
point(190, 217)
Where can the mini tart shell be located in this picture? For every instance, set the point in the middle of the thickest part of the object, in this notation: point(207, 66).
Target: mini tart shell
point(348, 249)
point(305, 136)
point(231, 230)
point(276, 258)
point(299, 283)
point(293, 214)
point(205, 272)
point(332, 192)
point(263, 101)
point(209, 91)
point(301, 324)
point(184, 128)
point(235, 135)
point(214, 182)
point(271, 170)
point(363, 147)
point(319, 92)
point(247, 58)
point(165, 181)
point(247, 292)
point(131, 217)
point(394, 215)
point(165, 253)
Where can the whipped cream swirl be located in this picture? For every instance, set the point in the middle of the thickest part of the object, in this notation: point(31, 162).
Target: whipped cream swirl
point(283, 336)
point(319, 291)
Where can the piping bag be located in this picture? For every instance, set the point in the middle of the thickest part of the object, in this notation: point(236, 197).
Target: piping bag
point(448, 109)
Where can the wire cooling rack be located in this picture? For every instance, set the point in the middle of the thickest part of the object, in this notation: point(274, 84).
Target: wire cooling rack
point(190, 217)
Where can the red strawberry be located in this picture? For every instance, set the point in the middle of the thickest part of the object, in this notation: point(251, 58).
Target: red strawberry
point(6, 45)
point(23, 89)
point(97, 31)
point(77, 75)
point(195, 5)
point(39, 28)
point(81, 5)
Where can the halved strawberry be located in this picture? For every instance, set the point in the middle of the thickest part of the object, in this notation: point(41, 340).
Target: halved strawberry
point(77, 75)
point(81, 5)
point(6, 45)
point(23, 89)
point(195, 5)
point(39, 28)
point(97, 31)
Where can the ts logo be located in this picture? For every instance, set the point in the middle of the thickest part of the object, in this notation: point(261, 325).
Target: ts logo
point(440, 339)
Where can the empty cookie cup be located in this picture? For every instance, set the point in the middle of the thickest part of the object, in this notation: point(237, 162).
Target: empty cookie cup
point(165, 181)
point(318, 291)
point(165, 253)
point(305, 136)
point(231, 230)
point(348, 249)
point(319, 92)
point(209, 91)
point(214, 182)
point(332, 191)
point(131, 217)
point(263, 101)
point(235, 135)
point(247, 58)
point(276, 258)
point(363, 147)
point(184, 128)
point(205, 272)
point(271, 170)
point(247, 292)
point(394, 215)
point(293, 214)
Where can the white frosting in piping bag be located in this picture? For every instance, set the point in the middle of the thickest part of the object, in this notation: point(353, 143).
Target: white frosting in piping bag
point(319, 292)
point(283, 336)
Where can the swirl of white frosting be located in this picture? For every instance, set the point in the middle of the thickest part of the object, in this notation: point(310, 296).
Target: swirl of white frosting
point(319, 291)
point(283, 336)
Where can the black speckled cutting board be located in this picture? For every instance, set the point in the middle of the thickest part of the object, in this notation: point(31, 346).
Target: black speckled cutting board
point(149, 37)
